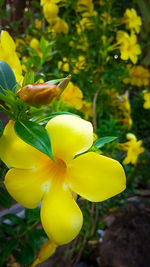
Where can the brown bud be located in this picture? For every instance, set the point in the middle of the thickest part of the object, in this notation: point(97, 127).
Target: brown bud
point(38, 94)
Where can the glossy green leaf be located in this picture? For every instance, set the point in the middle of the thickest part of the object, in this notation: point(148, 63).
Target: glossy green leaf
point(7, 78)
point(104, 140)
point(35, 135)
point(56, 81)
point(45, 119)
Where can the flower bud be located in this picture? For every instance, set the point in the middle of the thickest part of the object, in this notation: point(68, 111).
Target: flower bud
point(38, 94)
point(46, 251)
point(62, 85)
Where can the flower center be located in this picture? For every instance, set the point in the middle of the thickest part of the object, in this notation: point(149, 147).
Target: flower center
point(56, 170)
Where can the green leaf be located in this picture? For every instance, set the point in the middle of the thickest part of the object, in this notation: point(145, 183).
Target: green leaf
point(56, 81)
point(29, 78)
point(35, 135)
point(45, 119)
point(7, 78)
point(1, 128)
point(14, 219)
point(24, 254)
point(5, 198)
point(104, 140)
point(7, 248)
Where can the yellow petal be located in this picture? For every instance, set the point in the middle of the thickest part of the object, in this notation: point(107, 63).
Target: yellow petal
point(25, 186)
point(15, 152)
point(70, 135)
point(7, 42)
point(96, 177)
point(60, 215)
point(45, 252)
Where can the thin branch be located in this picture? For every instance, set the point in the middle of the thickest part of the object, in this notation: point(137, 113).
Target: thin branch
point(94, 109)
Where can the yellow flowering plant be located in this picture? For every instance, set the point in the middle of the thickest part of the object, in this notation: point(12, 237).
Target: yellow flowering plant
point(47, 141)
point(56, 168)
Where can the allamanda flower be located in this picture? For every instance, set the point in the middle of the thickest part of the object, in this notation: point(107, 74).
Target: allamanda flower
point(35, 177)
point(72, 96)
point(128, 46)
point(132, 20)
point(133, 147)
point(138, 75)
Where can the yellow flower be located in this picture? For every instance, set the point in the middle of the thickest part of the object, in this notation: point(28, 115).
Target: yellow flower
point(147, 99)
point(106, 18)
point(87, 109)
point(132, 20)
point(35, 177)
point(133, 147)
point(72, 96)
point(85, 5)
point(138, 76)
point(43, 2)
point(79, 64)
point(128, 46)
point(50, 12)
point(60, 26)
point(121, 108)
point(9, 55)
point(34, 43)
point(64, 65)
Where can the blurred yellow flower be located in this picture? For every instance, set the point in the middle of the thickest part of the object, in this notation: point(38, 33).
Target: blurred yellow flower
point(87, 109)
point(34, 43)
point(106, 18)
point(60, 26)
point(138, 75)
point(64, 65)
point(8, 54)
point(121, 108)
point(147, 99)
point(79, 64)
point(133, 147)
point(43, 2)
point(125, 109)
point(34, 177)
point(85, 5)
point(50, 12)
point(128, 46)
point(132, 20)
point(72, 96)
